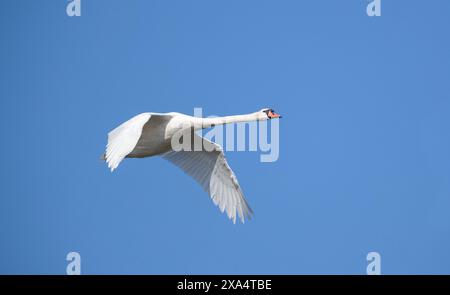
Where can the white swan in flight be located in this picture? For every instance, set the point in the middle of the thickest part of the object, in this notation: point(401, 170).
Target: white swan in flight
point(172, 136)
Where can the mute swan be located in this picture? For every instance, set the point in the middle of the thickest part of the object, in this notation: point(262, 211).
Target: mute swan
point(151, 134)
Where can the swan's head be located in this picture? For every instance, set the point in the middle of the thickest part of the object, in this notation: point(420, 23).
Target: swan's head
point(267, 114)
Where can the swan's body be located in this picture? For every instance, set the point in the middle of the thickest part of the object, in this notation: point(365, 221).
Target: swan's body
point(151, 134)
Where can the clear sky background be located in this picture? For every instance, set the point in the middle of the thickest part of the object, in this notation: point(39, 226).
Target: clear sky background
point(364, 140)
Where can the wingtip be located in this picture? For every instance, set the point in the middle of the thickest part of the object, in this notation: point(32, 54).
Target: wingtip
point(112, 168)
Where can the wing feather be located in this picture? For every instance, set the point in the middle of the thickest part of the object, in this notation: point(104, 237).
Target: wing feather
point(211, 170)
point(123, 139)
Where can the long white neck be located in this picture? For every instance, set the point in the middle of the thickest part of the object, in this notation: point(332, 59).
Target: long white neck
point(201, 123)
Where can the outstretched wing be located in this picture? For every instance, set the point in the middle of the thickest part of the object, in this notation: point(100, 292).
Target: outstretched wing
point(210, 169)
point(123, 139)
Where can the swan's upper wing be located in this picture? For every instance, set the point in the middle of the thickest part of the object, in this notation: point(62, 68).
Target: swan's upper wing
point(211, 170)
point(123, 139)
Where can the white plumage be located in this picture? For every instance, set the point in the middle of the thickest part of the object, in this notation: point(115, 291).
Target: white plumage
point(151, 134)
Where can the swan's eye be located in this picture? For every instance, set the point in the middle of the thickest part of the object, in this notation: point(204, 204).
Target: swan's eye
point(272, 114)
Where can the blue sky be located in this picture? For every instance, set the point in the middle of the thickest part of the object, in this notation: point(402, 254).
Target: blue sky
point(364, 140)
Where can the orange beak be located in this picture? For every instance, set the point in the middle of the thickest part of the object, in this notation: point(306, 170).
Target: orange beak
point(273, 115)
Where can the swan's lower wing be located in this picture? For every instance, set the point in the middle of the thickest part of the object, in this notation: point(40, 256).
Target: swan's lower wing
point(211, 170)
